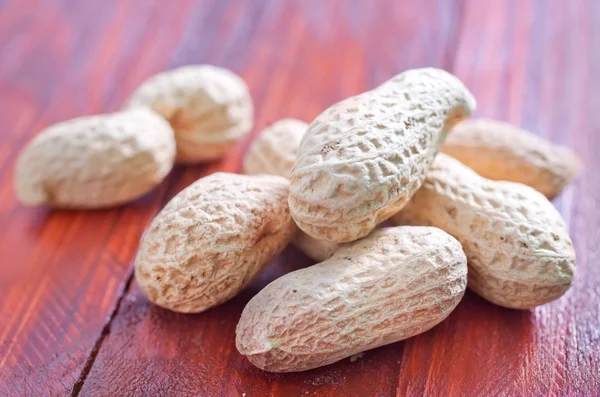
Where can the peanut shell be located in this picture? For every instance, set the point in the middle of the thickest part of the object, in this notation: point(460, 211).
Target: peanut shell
point(273, 152)
point(212, 240)
point(362, 159)
point(501, 151)
point(95, 161)
point(209, 108)
point(393, 284)
point(519, 250)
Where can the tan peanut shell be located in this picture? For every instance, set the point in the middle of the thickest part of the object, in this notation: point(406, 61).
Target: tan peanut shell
point(209, 108)
point(519, 250)
point(393, 284)
point(316, 249)
point(95, 161)
point(212, 240)
point(501, 151)
point(273, 152)
point(363, 158)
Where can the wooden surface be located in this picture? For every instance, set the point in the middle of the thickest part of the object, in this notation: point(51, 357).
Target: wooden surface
point(73, 322)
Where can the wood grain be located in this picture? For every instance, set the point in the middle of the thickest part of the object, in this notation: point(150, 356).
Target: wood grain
point(531, 63)
point(63, 272)
point(71, 321)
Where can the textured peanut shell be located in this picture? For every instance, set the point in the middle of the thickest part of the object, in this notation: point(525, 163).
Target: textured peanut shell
point(501, 151)
point(519, 250)
point(274, 153)
point(95, 161)
point(395, 283)
point(209, 108)
point(362, 159)
point(212, 240)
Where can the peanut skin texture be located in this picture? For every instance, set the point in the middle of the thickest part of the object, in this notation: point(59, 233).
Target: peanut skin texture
point(212, 240)
point(274, 153)
point(209, 108)
point(519, 250)
point(393, 284)
point(362, 159)
point(501, 151)
point(95, 161)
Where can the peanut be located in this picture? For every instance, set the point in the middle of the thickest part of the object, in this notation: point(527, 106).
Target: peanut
point(318, 250)
point(393, 284)
point(213, 239)
point(362, 159)
point(501, 151)
point(519, 250)
point(209, 108)
point(274, 153)
point(95, 161)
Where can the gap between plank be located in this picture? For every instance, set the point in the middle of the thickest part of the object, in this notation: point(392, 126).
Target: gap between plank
point(171, 183)
point(105, 331)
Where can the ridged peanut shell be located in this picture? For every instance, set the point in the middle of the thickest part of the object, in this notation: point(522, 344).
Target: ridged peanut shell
point(362, 159)
point(502, 151)
point(393, 284)
point(519, 250)
point(273, 152)
point(95, 161)
point(209, 108)
point(212, 240)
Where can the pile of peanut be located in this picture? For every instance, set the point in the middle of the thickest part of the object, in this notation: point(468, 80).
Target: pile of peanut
point(478, 214)
point(190, 115)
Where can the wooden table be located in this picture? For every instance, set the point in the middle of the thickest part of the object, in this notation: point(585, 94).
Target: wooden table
point(73, 322)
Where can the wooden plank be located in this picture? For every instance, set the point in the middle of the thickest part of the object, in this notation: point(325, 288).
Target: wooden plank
point(531, 63)
point(62, 272)
point(298, 58)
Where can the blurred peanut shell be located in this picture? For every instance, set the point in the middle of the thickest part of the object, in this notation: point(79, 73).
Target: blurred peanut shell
point(95, 161)
point(502, 151)
point(209, 108)
point(274, 150)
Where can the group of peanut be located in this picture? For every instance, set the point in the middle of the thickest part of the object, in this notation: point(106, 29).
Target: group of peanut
point(480, 218)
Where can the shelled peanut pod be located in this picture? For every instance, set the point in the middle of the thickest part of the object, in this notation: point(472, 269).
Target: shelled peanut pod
point(504, 152)
point(396, 283)
point(209, 108)
point(518, 246)
point(362, 159)
point(95, 161)
point(212, 240)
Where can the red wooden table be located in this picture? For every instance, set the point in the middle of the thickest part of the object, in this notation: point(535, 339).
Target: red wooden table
point(73, 322)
